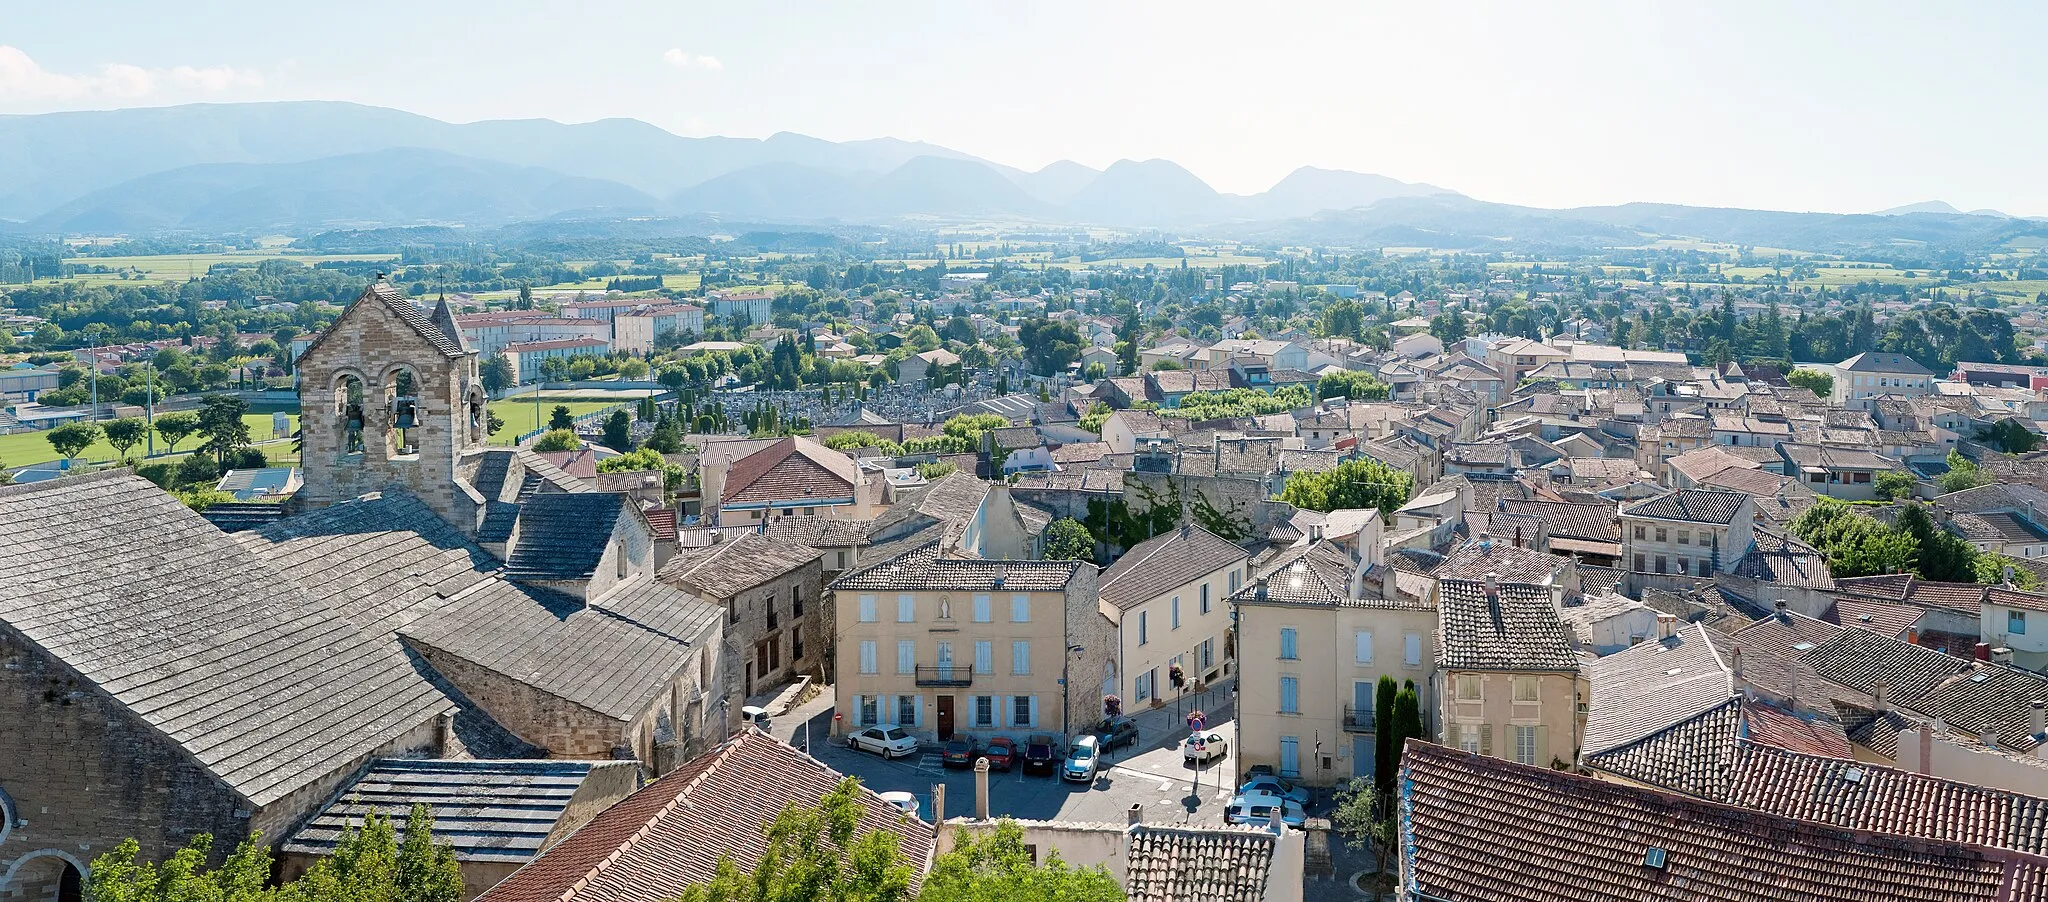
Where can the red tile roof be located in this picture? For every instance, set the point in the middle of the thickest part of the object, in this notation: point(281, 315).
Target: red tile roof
point(791, 469)
point(672, 833)
point(1806, 731)
point(1481, 828)
point(1858, 795)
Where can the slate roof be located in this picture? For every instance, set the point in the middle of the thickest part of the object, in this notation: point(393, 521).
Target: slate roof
point(1690, 505)
point(237, 516)
point(263, 685)
point(1479, 828)
point(672, 833)
point(1692, 756)
point(612, 655)
point(562, 536)
point(1879, 362)
point(1473, 559)
point(825, 532)
point(1185, 864)
point(1858, 795)
point(1165, 562)
point(1584, 521)
point(1652, 686)
point(1862, 660)
point(1518, 629)
point(1890, 620)
point(409, 313)
point(495, 811)
point(922, 568)
point(728, 568)
point(1780, 559)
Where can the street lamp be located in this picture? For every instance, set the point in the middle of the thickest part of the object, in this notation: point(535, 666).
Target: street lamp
point(1067, 690)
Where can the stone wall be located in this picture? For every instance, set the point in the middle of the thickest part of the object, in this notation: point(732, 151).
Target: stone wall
point(82, 774)
point(564, 728)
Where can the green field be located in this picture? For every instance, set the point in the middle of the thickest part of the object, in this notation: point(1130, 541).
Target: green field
point(519, 415)
point(23, 448)
point(178, 267)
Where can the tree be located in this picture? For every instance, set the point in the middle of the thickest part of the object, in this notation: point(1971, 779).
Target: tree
point(126, 433)
point(1067, 540)
point(176, 427)
point(497, 373)
point(71, 439)
point(817, 855)
point(493, 422)
point(1893, 485)
point(1962, 474)
point(1821, 383)
point(195, 470)
point(1352, 485)
point(1386, 742)
point(1356, 385)
point(2010, 436)
point(1049, 345)
point(557, 440)
point(618, 431)
point(369, 864)
point(1407, 719)
point(117, 875)
point(221, 423)
point(1944, 556)
point(998, 867)
point(559, 418)
point(1343, 319)
point(633, 369)
point(1363, 819)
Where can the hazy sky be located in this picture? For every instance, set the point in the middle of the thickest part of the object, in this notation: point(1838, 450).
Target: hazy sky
point(1804, 106)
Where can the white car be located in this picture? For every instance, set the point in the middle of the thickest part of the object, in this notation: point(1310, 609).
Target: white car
point(1211, 747)
point(887, 740)
point(1258, 808)
point(902, 800)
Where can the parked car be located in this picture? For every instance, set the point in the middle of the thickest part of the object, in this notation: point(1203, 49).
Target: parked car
point(903, 800)
point(1257, 808)
point(1118, 732)
point(1211, 747)
point(756, 715)
point(1041, 752)
point(1001, 753)
point(887, 740)
point(960, 753)
point(1082, 761)
point(1272, 785)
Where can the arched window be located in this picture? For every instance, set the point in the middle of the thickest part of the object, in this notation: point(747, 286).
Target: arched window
point(479, 421)
point(348, 413)
point(402, 406)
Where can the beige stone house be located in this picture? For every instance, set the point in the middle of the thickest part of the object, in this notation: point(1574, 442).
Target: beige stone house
point(777, 626)
point(1168, 597)
point(1314, 639)
point(1689, 532)
point(945, 647)
point(1510, 678)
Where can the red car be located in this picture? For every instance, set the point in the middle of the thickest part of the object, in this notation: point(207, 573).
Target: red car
point(1001, 753)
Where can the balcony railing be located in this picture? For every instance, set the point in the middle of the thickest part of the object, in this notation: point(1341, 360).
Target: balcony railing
point(956, 675)
point(1358, 720)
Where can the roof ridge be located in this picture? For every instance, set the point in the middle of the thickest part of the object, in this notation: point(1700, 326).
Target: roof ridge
point(676, 801)
point(86, 478)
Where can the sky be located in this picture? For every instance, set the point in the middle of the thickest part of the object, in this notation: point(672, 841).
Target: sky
point(1842, 107)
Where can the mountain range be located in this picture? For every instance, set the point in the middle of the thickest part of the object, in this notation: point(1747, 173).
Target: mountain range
point(314, 166)
point(308, 165)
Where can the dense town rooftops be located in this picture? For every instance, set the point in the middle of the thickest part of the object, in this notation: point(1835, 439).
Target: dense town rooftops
point(1690, 505)
point(922, 569)
point(1508, 626)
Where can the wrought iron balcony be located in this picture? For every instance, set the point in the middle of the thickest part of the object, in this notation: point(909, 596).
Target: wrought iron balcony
point(954, 675)
point(1358, 720)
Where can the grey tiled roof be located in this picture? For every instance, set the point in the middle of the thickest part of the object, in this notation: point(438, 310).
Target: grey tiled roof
point(495, 811)
point(818, 531)
point(563, 536)
point(1652, 686)
point(923, 569)
point(1582, 521)
point(1473, 559)
point(236, 516)
point(262, 685)
point(1167, 561)
point(1693, 505)
point(612, 655)
point(1212, 864)
point(1692, 756)
point(1518, 629)
point(1779, 559)
point(1886, 800)
point(413, 316)
point(1861, 659)
point(726, 569)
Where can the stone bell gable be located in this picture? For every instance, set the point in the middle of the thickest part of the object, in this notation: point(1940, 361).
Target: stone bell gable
point(390, 396)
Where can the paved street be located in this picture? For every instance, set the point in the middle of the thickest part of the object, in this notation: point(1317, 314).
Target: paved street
point(1150, 773)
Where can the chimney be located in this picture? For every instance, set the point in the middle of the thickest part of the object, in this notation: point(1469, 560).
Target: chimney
point(1913, 635)
point(1666, 623)
point(1879, 692)
point(2037, 717)
point(1780, 607)
point(938, 804)
point(444, 735)
point(1135, 815)
point(1518, 541)
point(1557, 596)
point(2001, 655)
point(981, 789)
point(1988, 737)
point(1492, 586)
point(1981, 651)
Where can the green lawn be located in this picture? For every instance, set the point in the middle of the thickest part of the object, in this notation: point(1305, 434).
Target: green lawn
point(26, 448)
point(519, 417)
point(178, 267)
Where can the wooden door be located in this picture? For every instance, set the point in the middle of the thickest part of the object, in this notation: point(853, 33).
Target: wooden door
point(945, 717)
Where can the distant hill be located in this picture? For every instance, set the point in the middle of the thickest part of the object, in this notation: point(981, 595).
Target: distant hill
point(1309, 190)
point(1150, 193)
point(399, 186)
